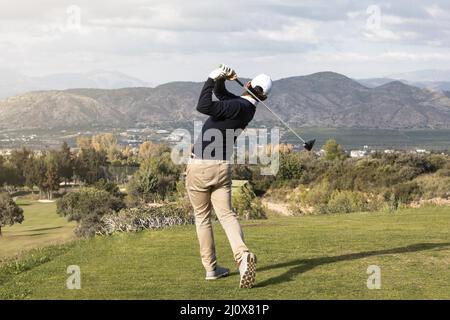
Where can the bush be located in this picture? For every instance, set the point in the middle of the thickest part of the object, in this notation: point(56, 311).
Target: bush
point(347, 201)
point(141, 218)
point(155, 180)
point(10, 212)
point(404, 193)
point(87, 206)
point(246, 204)
point(318, 197)
point(435, 185)
point(109, 187)
point(296, 201)
point(333, 151)
point(322, 199)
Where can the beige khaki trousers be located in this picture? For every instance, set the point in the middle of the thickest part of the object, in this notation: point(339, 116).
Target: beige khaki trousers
point(208, 183)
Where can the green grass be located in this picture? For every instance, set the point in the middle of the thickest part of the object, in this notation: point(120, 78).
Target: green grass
point(41, 227)
point(315, 257)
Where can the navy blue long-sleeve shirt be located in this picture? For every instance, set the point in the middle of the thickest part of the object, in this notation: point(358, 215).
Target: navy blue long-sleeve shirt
point(230, 112)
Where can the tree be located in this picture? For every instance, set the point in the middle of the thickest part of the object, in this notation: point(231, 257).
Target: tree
point(84, 142)
point(32, 172)
point(333, 151)
point(155, 180)
point(88, 165)
point(18, 159)
point(10, 212)
point(44, 172)
point(86, 207)
point(129, 157)
point(9, 176)
point(106, 143)
point(108, 186)
point(148, 149)
point(51, 179)
point(65, 163)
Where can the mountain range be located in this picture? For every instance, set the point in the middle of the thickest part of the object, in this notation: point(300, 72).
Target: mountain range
point(12, 82)
point(430, 79)
point(324, 99)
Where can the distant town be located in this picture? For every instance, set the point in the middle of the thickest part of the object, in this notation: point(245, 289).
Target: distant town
point(134, 136)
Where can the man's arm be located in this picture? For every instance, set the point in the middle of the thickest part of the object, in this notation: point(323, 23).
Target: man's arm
point(221, 92)
point(226, 109)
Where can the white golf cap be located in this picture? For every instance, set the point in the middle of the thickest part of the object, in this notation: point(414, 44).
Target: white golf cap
point(264, 81)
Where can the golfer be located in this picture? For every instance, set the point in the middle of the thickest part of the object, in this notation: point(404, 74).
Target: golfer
point(208, 179)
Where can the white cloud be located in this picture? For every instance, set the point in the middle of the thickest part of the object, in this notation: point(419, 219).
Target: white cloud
point(300, 31)
point(396, 55)
point(437, 12)
point(160, 39)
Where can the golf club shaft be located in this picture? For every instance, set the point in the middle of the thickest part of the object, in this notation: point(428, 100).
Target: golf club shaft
point(265, 105)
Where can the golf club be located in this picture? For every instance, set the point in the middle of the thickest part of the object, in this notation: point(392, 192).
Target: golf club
point(308, 145)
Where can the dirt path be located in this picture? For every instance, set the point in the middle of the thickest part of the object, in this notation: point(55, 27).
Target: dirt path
point(277, 207)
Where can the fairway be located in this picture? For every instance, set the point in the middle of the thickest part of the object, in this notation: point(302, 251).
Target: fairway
point(41, 227)
point(314, 257)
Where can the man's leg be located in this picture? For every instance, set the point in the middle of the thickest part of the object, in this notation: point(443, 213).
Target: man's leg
point(221, 201)
point(200, 197)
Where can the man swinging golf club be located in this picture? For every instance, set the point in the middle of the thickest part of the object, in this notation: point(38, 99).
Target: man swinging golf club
point(208, 180)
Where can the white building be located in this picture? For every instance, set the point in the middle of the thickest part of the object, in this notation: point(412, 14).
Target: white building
point(5, 152)
point(358, 153)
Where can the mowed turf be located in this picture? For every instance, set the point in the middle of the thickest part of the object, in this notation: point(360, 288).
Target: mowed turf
point(41, 227)
point(315, 257)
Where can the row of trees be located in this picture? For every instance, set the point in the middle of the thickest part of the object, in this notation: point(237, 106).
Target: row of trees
point(92, 165)
point(47, 169)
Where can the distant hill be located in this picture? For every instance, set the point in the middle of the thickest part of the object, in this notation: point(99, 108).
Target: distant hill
point(12, 83)
point(430, 75)
point(324, 99)
point(432, 85)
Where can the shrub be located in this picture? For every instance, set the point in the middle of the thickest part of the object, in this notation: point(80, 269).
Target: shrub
point(406, 192)
point(318, 197)
point(435, 185)
point(246, 204)
point(347, 201)
point(141, 218)
point(443, 173)
point(321, 199)
point(109, 187)
point(154, 181)
point(333, 151)
point(296, 201)
point(10, 212)
point(87, 206)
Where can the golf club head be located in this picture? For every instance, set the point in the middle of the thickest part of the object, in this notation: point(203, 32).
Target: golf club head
point(308, 145)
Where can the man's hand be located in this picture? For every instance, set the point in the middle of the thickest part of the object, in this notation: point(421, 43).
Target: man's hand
point(223, 72)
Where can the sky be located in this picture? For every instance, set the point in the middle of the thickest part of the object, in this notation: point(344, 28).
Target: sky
point(170, 40)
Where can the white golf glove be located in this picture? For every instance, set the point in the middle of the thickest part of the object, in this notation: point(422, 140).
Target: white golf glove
point(223, 72)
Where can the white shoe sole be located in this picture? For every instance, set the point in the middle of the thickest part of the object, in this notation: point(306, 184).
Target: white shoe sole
point(249, 277)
